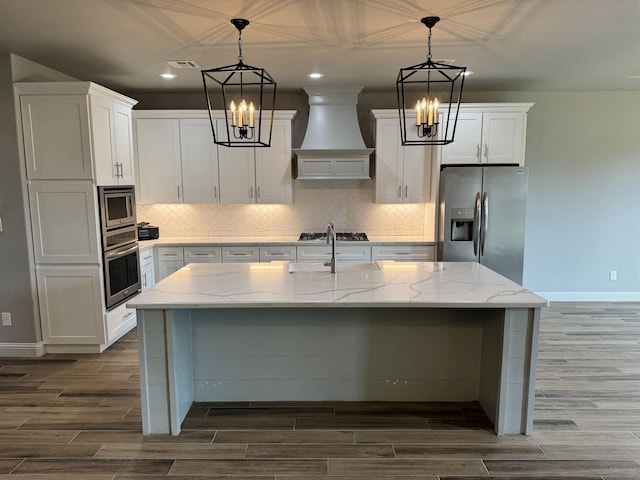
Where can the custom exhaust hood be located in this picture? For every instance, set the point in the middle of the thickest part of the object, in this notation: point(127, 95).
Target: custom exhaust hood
point(333, 147)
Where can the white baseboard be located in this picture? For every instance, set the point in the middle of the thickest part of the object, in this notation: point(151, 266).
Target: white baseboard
point(591, 296)
point(30, 350)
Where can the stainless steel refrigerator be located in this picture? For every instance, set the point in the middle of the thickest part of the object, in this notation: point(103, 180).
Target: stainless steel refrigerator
point(482, 217)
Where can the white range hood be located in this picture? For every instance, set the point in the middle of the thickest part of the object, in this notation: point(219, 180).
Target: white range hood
point(333, 147)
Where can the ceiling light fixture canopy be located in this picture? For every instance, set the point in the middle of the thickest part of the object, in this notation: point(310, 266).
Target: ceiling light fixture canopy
point(247, 97)
point(429, 96)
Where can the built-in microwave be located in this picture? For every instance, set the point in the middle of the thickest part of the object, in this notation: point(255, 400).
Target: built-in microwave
point(117, 206)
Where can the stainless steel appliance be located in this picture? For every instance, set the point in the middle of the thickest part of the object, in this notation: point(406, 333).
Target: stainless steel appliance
point(482, 217)
point(117, 206)
point(340, 236)
point(120, 250)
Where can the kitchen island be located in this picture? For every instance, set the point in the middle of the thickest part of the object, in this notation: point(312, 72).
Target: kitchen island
point(382, 331)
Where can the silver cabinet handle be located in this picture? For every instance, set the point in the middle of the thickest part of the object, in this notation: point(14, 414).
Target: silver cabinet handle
point(406, 191)
point(399, 191)
point(486, 152)
point(215, 192)
point(485, 220)
point(127, 315)
point(144, 279)
point(478, 152)
point(476, 224)
point(259, 193)
point(273, 254)
point(178, 187)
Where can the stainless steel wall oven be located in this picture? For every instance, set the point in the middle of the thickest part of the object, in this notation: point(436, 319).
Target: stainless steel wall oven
point(120, 252)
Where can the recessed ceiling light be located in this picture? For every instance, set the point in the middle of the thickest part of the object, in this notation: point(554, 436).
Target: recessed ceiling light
point(168, 76)
point(315, 75)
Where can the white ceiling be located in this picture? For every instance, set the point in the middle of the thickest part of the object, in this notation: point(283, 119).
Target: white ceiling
point(508, 44)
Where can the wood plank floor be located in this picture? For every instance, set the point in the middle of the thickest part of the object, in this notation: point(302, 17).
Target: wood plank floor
point(77, 417)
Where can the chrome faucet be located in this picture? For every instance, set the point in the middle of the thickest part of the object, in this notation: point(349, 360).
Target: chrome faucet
point(331, 239)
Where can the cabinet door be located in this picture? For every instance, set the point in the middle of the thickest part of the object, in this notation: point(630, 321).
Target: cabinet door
point(103, 136)
point(56, 137)
point(147, 275)
point(158, 146)
point(123, 144)
point(199, 162)
point(503, 138)
point(71, 304)
point(64, 218)
point(415, 171)
point(166, 268)
point(465, 148)
point(237, 175)
point(273, 166)
point(388, 162)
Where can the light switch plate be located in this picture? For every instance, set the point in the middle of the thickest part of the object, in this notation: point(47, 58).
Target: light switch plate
point(6, 319)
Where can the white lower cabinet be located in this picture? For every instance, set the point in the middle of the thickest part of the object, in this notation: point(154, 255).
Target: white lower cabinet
point(170, 260)
point(278, 253)
point(344, 253)
point(241, 254)
point(403, 253)
point(202, 254)
point(71, 307)
point(119, 321)
point(147, 268)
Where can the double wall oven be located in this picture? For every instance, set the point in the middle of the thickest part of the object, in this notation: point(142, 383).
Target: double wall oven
point(120, 251)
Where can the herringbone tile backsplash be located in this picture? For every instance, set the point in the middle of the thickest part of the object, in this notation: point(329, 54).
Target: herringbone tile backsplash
point(346, 203)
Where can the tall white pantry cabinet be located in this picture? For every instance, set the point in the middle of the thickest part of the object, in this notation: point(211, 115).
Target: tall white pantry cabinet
point(76, 136)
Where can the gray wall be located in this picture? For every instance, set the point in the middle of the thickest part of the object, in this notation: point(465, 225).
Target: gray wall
point(17, 291)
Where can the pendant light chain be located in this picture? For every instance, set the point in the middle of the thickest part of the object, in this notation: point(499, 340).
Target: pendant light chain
point(239, 46)
point(429, 47)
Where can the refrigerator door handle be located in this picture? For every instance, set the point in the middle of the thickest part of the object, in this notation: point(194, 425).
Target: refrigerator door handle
point(485, 221)
point(476, 224)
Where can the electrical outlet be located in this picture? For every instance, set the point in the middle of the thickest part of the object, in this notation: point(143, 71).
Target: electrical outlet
point(6, 319)
point(613, 274)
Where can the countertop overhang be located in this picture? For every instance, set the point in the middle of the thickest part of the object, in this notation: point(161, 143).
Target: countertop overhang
point(393, 284)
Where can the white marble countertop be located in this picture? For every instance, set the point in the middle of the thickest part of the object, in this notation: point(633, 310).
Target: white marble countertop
point(274, 240)
point(383, 284)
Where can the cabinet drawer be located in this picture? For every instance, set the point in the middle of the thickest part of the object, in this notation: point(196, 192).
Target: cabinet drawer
point(413, 253)
point(202, 254)
point(240, 254)
point(170, 253)
point(119, 321)
point(268, 254)
point(344, 253)
point(146, 257)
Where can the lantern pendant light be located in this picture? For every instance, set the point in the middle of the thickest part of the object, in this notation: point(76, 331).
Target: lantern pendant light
point(429, 96)
point(245, 95)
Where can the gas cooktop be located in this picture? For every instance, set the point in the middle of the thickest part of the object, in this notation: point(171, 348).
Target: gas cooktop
point(340, 236)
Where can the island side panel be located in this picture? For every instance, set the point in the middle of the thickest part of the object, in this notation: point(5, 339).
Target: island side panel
point(509, 357)
point(153, 372)
point(179, 366)
point(350, 354)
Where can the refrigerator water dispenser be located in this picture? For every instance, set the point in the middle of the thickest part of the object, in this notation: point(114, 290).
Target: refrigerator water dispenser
point(461, 224)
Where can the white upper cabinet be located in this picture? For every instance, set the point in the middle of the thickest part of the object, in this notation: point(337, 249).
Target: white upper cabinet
point(159, 165)
point(179, 163)
point(403, 173)
point(199, 158)
point(488, 134)
point(259, 175)
point(76, 131)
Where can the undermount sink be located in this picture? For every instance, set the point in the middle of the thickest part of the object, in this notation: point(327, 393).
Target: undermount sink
point(341, 267)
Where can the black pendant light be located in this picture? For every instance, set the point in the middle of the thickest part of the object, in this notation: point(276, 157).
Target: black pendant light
point(429, 96)
point(247, 97)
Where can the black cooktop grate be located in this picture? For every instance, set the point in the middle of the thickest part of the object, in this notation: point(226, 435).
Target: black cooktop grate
point(340, 236)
